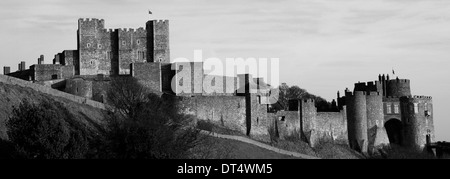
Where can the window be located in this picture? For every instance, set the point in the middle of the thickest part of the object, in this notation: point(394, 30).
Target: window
point(396, 109)
point(141, 55)
point(123, 43)
point(88, 45)
point(416, 108)
point(99, 46)
point(388, 108)
point(138, 42)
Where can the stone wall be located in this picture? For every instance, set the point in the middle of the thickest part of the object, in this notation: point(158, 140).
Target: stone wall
point(148, 74)
point(331, 126)
point(46, 72)
point(392, 101)
point(132, 48)
point(287, 123)
point(24, 75)
point(229, 112)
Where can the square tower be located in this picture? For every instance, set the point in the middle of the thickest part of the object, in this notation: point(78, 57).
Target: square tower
point(158, 41)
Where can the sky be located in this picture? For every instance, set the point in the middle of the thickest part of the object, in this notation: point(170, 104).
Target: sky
point(323, 45)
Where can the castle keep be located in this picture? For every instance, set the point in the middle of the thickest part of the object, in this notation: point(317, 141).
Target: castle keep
point(373, 115)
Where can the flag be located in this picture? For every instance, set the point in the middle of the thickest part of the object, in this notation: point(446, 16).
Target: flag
point(393, 72)
point(150, 12)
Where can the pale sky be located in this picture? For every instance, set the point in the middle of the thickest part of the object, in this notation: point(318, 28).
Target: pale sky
point(323, 45)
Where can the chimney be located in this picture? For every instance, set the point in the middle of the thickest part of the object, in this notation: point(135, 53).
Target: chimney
point(41, 60)
point(56, 60)
point(6, 70)
point(22, 65)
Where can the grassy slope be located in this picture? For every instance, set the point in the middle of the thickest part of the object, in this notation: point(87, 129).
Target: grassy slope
point(12, 95)
point(230, 149)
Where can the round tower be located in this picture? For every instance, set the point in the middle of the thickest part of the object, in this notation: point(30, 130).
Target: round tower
point(357, 121)
point(377, 136)
point(398, 87)
point(417, 119)
point(79, 87)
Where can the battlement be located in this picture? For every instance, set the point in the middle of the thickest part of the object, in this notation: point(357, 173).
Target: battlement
point(165, 21)
point(126, 30)
point(90, 20)
point(374, 93)
point(90, 25)
point(108, 31)
point(369, 86)
point(140, 30)
point(418, 97)
point(399, 81)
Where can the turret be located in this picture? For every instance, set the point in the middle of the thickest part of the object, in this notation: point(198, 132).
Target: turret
point(398, 88)
point(41, 60)
point(6, 70)
point(377, 136)
point(357, 121)
point(22, 66)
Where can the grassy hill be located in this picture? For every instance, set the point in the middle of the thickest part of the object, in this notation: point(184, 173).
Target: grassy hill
point(12, 95)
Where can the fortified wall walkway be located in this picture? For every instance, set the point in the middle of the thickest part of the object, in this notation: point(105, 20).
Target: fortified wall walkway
point(50, 91)
point(259, 144)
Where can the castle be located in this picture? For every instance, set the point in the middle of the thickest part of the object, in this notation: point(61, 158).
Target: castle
point(375, 114)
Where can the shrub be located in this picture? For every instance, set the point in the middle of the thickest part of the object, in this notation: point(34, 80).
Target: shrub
point(398, 152)
point(46, 131)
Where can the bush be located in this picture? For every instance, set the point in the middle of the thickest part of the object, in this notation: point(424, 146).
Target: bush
point(204, 125)
point(46, 131)
point(398, 152)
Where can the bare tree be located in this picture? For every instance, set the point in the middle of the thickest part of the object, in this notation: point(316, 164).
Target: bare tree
point(145, 125)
